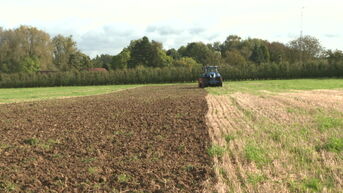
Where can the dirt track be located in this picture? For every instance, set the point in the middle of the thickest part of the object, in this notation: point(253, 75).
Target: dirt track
point(149, 139)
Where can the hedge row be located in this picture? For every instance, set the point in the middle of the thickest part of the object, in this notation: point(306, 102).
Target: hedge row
point(142, 75)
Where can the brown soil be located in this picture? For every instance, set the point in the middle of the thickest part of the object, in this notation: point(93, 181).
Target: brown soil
point(148, 139)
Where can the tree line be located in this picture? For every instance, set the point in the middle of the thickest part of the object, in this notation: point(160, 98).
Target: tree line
point(26, 50)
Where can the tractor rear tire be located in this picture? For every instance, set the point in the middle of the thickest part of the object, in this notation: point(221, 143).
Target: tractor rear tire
point(204, 83)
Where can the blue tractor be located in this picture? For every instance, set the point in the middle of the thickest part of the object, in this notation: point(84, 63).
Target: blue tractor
point(210, 77)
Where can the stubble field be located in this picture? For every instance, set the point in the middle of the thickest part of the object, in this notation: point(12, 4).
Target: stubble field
point(276, 140)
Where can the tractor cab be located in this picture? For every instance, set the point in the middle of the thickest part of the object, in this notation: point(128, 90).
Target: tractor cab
point(209, 69)
point(210, 77)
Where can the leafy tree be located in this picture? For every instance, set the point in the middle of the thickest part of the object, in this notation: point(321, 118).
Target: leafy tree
point(334, 56)
point(141, 53)
point(146, 53)
point(266, 55)
point(278, 52)
point(121, 60)
point(79, 61)
point(306, 48)
point(4, 68)
point(216, 46)
point(30, 64)
point(260, 54)
point(103, 61)
point(232, 42)
point(201, 53)
point(173, 53)
point(24, 42)
point(234, 57)
point(63, 49)
point(335, 59)
point(35, 44)
point(186, 62)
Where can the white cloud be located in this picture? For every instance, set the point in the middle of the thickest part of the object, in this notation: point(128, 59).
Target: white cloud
point(106, 26)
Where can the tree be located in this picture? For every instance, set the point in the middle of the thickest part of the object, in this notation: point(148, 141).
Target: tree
point(234, 58)
point(146, 53)
point(278, 52)
point(186, 62)
point(201, 53)
point(216, 46)
point(103, 61)
point(141, 52)
point(30, 64)
point(306, 48)
point(233, 42)
point(63, 49)
point(19, 46)
point(335, 59)
point(4, 68)
point(260, 54)
point(35, 44)
point(121, 60)
point(79, 61)
point(173, 53)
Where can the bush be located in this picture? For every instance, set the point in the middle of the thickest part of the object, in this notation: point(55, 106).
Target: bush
point(139, 75)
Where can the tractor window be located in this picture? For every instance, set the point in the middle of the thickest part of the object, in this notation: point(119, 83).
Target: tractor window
point(211, 69)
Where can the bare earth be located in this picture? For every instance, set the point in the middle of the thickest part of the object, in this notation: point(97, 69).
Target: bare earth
point(147, 139)
point(283, 129)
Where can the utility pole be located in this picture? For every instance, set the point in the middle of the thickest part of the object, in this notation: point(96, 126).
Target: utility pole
point(302, 20)
point(301, 33)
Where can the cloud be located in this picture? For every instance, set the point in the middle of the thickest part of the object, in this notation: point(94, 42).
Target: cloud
point(196, 30)
point(105, 26)
point(163, 30)
point(170, 30)
point(332, 35)
point(111, 39)
point(108, 40)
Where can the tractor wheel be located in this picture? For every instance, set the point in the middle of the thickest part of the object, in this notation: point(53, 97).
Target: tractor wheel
point(202, 85)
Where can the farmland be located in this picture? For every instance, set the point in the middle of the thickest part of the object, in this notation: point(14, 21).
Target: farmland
point(145, 139)
point(277, 136)
point(248, 136)
point(10, 95)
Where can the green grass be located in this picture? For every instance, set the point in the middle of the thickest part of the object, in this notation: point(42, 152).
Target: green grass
point(256, 178)
point(256, 154)
point(327, 122)
point(333, 144)
point(31, 141)
point(123, 178)
point(216, 150)
point(229, 138)
point(306, 185)
point(258, 86)
point(10, 95)
point(7, 186)
point(93, 170)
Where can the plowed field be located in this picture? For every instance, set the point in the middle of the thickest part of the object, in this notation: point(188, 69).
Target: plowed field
point(148, 139)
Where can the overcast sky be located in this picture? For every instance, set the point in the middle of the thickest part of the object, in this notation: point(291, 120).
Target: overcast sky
point(107, 26)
